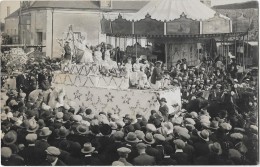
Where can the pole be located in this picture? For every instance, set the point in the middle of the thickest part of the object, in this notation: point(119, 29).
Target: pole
point(115, 47)
point(243, 53)
point(136, 47)
point(247, 56)
point(235, 47)
point(166, 53)
point(19, 24)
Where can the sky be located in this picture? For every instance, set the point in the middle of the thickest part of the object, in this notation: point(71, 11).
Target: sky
point(14, 4)
point(223, 2)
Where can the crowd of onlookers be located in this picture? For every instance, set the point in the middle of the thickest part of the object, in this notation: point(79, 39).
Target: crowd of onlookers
point(202, 132)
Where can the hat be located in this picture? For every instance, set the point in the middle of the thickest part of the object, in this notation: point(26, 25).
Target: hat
point(194, 114)
point(163, 100)
point(158, 62)
point(214, 125)
point(118, 135)
point(6, 152)
point(53, 151)
point(148, 138)
point(120, 124)
point(254, 129)
point(31, 137)
point(204, 134)
point(218, 85)
point(123, 150)
point(113, 125)
point(10, 137)
point(184, 135)
point(3, 116)
point(59, 115)
point(105, 129)
point(41, 123)
point(226, 126)
point(32, 126)
point(45, 132)
point(239, 130)
point(232, 153)
point(177, 121)
point(150, 127)
point(189, 121)
point(88, 111)
point(131, 138)
point(87, 148)
point(237, 136)
point(82, 129)
point(139, 134)
point(12, 103)
point(63, 132)
point(179, 143)
point(235, 80)
point(118, 163)
point(76, 118)
point(159, 137)
point(215, 148)
point(141, 146)
point(168, 126)
point(179, 129)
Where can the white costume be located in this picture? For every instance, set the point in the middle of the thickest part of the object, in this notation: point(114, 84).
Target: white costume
point(87, 56)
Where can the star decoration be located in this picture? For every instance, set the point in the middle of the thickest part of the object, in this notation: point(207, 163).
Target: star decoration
point(99, 103)
point(89, 96)
point(138, 108)
point(77, 94)
point(109, 97)
point(116, 110)
point(152, 102)
point(126, 99)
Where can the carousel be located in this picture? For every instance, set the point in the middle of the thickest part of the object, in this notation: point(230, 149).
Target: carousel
point(182, 29)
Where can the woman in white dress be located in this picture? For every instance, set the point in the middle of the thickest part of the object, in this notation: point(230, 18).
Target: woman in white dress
point(87, 56)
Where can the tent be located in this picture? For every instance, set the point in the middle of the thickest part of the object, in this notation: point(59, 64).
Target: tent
point(166, 10)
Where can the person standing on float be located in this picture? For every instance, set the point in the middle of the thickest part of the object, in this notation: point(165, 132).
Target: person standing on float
point(157, 75)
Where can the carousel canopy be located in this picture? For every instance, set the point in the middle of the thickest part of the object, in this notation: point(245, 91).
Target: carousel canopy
point(166, 10)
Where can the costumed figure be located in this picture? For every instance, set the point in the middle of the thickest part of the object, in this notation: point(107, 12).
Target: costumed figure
point(142, 79)
point(98, 55)
point(134, 74)
point(67, 55)
point(87, 53)
point(157, 75)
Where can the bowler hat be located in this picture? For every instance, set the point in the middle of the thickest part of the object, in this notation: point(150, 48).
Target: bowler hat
point(45, 132)
point(63, 132)
point(32, 126)
point(10, 137)
point(148, 138)
point(215, 148)
point(6, 152)
point(82, 129)
point(118, 135)
point(87, 148)
point(204, 134)
point(131, 138)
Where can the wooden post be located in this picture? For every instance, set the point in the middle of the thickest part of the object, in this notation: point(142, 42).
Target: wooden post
point(243, 53)
point(247, 56)
point(166, 53)
point(136, 47)
point(235, 46)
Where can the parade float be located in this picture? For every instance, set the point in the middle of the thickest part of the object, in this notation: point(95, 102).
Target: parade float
point(103, 85)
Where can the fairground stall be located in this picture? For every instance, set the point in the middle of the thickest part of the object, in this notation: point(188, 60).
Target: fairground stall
point(178, 29)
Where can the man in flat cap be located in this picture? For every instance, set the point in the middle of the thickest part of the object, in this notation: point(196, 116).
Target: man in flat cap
point(52, 157)
point(123, 153)
point(143, 159)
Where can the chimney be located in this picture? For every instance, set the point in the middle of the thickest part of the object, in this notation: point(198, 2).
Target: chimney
point(8, 10)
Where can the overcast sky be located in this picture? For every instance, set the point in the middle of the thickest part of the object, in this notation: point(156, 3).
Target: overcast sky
point(222, 2)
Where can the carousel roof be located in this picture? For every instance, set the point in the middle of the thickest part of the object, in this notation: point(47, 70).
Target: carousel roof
point(166, 10)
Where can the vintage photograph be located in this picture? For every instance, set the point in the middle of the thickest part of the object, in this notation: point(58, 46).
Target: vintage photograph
point(129, 82)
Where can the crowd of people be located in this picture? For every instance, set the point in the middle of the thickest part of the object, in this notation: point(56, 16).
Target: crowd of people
point(217, 124)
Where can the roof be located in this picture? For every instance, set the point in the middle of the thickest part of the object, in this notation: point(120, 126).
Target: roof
point(172, 9)
point(93, 5)
point(244, 5)
point(15, 14)
point(66, 4)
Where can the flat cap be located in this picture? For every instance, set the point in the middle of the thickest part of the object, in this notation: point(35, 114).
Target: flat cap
point(159, 137)
point(179, 143)
point(238, 136)
point(124, 150)
point(53, 151)
point(226, 126)
point(190, 121)
point(31, 137)
point(141, 146)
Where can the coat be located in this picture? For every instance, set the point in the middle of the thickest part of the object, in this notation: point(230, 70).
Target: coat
point(167, 161)
point(181, 158)
point(44, 81)
point(156, 75)
point(59, 163)
point(67, 54)
point(32, 155)
point(143, 160)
